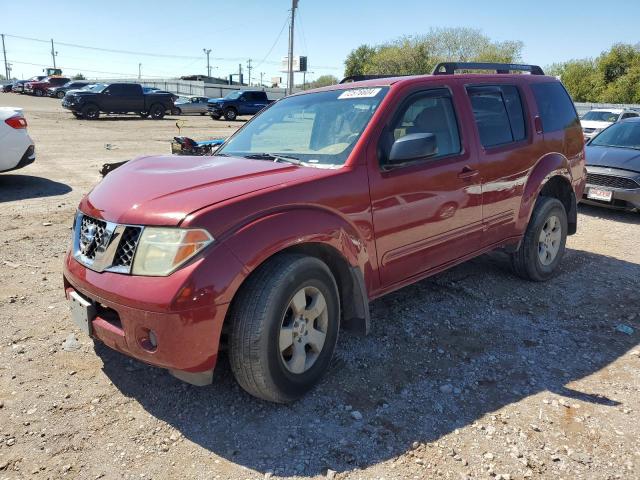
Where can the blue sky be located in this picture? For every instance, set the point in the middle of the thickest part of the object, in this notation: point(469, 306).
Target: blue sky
point(327, 31)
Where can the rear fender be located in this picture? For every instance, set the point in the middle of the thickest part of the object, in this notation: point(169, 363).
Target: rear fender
point(549, 166)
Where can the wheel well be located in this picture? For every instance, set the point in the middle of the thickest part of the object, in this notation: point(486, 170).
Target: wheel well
point(560, 188)
point(354, 300)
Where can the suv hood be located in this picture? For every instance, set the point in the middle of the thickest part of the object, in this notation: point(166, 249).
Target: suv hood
point(163, 190)
point(594, 124)
point(613, 157)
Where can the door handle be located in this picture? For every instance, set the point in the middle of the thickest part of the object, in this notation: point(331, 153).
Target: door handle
point(468, 172)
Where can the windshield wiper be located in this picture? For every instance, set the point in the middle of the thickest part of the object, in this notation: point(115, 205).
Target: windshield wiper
point(275, 157)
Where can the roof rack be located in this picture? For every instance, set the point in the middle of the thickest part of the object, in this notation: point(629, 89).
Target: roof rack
point(449, 68)
point(360, 78)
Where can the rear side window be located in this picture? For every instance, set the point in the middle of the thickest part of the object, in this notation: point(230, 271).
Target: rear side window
point(556, 108)
point(124, 89)
point(498, 113)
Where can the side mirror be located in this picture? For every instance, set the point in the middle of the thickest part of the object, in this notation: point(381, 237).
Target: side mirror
point(413, 147)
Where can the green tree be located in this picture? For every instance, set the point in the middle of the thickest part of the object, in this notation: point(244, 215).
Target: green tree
point(418, 54)
point(323, 81)
point(79, 76)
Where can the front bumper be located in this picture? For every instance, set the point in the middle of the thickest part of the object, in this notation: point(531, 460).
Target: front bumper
point(129, 307)
point(624, 186)
point(74, 107)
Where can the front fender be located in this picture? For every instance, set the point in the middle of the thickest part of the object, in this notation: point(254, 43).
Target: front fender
point(551, 165)
point(255, 242)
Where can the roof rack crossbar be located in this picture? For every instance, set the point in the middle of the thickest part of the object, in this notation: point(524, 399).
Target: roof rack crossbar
point(449, 68)
point(360, 78)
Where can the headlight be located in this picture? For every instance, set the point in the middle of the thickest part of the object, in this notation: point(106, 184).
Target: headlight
point(162, 250)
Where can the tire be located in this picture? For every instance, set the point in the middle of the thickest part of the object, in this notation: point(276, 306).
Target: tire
point(39, 93)
point(203, 113)
point(230, 114)
point(543, 245)
point(77, 114)
point(91, 112)
point(215, 117)
point(60, 95)
point(143, 114)
point(263, 317)
point(176, 111)
point(156, 111)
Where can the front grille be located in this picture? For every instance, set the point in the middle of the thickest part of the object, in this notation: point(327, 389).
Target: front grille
point(588, 130)
point(92, 227)
point(127, 247)
point(611, 181)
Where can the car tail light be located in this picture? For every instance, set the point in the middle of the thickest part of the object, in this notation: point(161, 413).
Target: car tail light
point(16, 122)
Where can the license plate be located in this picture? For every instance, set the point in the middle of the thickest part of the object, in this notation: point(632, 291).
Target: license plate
point(599, 194)
point(82, 312)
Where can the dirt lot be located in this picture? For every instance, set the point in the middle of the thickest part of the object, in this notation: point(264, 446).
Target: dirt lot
point(470, 374)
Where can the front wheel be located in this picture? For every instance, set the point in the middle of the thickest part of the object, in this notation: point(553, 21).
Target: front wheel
point(39, 93)
point(157, 112)
point(230, 114)
point(143, 114)
point(60, 95)
point(91, 112)
point(284, 328)
point(543, 245)
point(215, 117)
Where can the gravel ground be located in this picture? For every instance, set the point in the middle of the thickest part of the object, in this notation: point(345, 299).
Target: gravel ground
point(469, 374)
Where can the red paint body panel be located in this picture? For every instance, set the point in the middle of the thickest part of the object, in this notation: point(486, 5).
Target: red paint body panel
point(395, 226)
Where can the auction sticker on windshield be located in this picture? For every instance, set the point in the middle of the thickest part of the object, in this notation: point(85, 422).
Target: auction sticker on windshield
point(359, 93)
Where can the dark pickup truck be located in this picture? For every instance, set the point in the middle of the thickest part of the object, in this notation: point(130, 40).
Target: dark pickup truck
point(242, 102)
point(118, 98)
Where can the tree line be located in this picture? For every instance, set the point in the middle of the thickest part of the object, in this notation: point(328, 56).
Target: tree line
point(612, 77)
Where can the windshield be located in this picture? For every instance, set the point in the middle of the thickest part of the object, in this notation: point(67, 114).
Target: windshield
point(623, 135)
point(233, 95)
point(600, 116)
point(316, 128)
point(97, 88)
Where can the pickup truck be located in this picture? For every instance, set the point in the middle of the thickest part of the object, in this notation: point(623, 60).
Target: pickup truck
point(41, 88)
point(118, 98)
point(325, 201)
point(242, 102)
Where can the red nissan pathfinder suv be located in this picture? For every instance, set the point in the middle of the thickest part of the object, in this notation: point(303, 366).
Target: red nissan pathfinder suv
point(323, 202)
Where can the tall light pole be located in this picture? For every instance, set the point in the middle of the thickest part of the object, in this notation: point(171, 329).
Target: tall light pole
point(294, 5)
point(249, 68)
point(261, 76)
point(139, 71)
point(54, 54)
point(207, 51)
point(4, 51)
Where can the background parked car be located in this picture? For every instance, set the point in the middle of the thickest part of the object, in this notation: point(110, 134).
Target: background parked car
point(118, 98)
point(7, 88)
point(61, 91)
point(40, 88)
point(16, 147)
point(247, 102)
point(18, 86)
point(596, 120)
point(191, 105)
point(613, 167)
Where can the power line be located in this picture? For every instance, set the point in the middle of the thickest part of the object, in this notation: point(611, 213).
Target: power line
point(284, 25)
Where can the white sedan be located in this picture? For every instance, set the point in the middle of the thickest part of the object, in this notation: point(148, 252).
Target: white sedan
point(16, 147)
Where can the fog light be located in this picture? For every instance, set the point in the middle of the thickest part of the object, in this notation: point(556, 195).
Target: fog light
point(148, 340)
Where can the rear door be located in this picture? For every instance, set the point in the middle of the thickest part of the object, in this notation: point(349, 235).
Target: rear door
point(427, 213)
point(506, 153)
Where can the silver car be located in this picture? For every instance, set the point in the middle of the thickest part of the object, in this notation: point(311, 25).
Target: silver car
point(191, 105)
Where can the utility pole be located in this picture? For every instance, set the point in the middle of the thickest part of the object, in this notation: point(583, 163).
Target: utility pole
point(53, 54)
point(207, 51)
point(294, 5)
point(249, 70)
point(240, 74)
point(4, 51)
point(139, 71)
point(261, 76)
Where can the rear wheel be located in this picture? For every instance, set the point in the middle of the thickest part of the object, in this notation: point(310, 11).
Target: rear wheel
point(230, 114)
point(543, 245)
point(91, 112)
point(284, 328)
point(39, 93)
point(156, 111)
